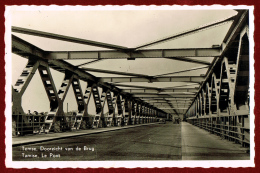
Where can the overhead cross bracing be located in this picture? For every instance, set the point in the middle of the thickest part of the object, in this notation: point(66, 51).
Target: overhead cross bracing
point(172, 75)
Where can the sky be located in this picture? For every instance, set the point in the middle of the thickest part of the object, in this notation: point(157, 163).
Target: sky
point(128, 28)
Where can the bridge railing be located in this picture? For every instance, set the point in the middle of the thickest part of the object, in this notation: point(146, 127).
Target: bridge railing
point(232, 132)
point(28, 124)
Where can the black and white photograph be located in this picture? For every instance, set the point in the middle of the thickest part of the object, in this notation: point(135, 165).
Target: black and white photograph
point(129, 86)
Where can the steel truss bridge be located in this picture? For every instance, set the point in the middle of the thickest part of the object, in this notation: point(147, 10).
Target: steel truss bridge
point(218, 103)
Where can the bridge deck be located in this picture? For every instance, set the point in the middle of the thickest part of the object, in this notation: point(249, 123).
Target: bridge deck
point(155, 142)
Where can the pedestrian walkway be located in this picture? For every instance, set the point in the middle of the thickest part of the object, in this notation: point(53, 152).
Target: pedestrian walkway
point(30, 139)
point(199, 144)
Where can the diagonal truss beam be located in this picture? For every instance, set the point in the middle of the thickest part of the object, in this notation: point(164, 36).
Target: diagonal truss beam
point(182, 71)
point(64, 88)
point(192, 84)
point(96, 60)
point(26, 76)
point(114, 72)
point(189, 60)
point(66, 38)
point(187, 32)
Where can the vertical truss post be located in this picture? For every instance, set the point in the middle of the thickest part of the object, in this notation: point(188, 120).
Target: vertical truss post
point(103, 99)
point(148, 114)
point(130, 107)
point(133, 119)
point(62, 92)
point(137, 121)
point(217, 81)
point(209, 90)
point(114, 103)
point(52, 94)
point(80, 102)
point(97, 101)
point(224, 96)
point(151, 114)
point(19, 118)
point(123, 100)
point(200, 104)
point(127, 110)
point(119, 102)
point(111, 108)
point(154, 115)
point(196, 107)
point(210, 106)
point(87, 94)
point(203, 97)
point(142, 113)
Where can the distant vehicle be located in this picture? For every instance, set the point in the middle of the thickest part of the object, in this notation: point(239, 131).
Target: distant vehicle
point(162, 121)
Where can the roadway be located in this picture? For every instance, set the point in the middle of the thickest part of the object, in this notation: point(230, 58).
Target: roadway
point(149, 142)
point(153, 142)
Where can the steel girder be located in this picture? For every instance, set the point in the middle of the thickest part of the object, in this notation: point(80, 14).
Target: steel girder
point(194, 79)
point(152, 53)
point(187, 32)
point(27, 50)
point(182, 71)
point(66, 38)
point(176, 90)
point(222, 104)
point(134, 74)
point(114, 72)
point(24, 49)
point(236, 28)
